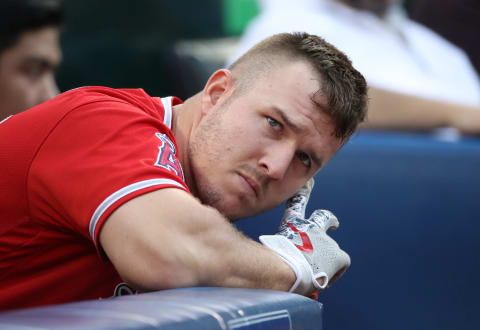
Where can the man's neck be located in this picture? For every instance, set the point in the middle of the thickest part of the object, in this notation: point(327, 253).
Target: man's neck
point(185, 119)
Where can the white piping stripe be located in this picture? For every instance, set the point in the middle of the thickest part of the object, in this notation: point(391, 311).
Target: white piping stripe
point(167, 105)
point(122, 193)
point(6, 119)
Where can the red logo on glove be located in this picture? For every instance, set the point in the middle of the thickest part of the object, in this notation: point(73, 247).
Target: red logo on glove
point(306, 243)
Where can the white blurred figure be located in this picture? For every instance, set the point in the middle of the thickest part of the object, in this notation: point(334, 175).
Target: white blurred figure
point(418, 80)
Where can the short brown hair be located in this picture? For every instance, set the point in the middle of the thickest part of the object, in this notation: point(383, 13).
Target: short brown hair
point(344, 87)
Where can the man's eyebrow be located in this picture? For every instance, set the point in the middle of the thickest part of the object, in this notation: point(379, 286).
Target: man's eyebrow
point(40, 60)
point(297, 130)
point(287, 120)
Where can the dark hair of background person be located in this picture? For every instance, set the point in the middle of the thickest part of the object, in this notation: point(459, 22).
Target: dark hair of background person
point(18, 16)
point(456, 20)
point(344, 88)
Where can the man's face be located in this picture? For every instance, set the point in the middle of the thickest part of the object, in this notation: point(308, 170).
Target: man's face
point(253, 152)
point(27, 70)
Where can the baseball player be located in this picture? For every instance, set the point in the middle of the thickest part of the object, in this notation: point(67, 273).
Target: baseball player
point(102, 188)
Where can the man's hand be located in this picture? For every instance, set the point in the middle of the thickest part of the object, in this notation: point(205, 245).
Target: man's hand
point(315, 257)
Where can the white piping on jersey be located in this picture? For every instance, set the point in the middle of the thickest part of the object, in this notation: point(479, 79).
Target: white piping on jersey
point(122, 193)
point(167, 105)
point(6, 119)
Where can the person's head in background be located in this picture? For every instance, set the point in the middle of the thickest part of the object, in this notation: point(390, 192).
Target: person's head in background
point(378, 7)
point(29, 53)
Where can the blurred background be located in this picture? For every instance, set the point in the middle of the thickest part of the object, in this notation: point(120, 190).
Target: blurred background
point(146, 44)
point(407, 202)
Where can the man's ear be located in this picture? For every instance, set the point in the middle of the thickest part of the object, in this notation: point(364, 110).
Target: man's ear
point(218, 87)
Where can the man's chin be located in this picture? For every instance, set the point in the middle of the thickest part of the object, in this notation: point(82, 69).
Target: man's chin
point(231, 214)
point(231, 206)
point(232, 210)
point(234, 213)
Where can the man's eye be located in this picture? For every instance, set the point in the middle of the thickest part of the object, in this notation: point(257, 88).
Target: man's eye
point(304, 158)
point(34, 72)
point(274, 124)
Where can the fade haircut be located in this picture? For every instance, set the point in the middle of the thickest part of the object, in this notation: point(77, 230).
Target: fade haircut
point(344, 87)
point(19, 16)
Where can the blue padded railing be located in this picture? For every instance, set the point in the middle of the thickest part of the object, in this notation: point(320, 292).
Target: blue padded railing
point(179, 309)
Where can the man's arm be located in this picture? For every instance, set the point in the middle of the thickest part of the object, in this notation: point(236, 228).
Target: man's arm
point(168, 239)
point(391, 110)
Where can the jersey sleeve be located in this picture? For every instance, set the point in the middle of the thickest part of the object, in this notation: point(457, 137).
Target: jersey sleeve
point(98, 157)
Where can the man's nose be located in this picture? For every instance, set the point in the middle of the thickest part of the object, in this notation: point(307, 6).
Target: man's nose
point(277, 160)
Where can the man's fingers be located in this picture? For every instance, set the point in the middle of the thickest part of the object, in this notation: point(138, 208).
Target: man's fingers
point(297, 204)
point(324, 219)
point(333, 265)
point(346, 263)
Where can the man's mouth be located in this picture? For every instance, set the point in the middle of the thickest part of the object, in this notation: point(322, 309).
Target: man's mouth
point(252, 183)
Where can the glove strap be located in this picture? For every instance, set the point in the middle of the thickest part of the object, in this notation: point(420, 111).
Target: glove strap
point(305, 282)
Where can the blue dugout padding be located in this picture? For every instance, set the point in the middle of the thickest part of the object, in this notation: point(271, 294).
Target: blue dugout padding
point(408, 206)
point(179, 309)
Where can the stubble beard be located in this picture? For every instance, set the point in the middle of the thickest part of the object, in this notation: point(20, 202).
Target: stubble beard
point(208, 133)
point(206, 191)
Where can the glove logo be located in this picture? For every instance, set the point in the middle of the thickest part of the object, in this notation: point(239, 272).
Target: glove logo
point(306, 243)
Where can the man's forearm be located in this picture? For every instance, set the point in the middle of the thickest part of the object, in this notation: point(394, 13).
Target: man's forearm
point(232, 260)
point(391, 110)
point(153, 247)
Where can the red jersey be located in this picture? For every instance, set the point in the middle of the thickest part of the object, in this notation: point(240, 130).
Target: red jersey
point(65, 166)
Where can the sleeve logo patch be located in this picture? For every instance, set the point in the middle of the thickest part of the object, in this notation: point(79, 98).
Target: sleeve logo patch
point(167, 158)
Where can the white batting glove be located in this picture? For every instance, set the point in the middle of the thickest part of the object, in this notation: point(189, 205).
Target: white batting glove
point(315, 257)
